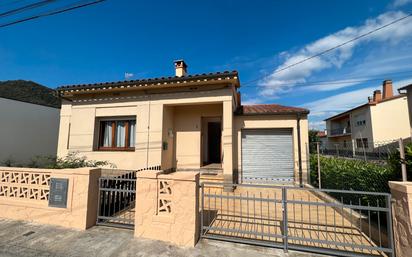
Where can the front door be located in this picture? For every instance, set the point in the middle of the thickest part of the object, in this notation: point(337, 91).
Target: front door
point(214, 131)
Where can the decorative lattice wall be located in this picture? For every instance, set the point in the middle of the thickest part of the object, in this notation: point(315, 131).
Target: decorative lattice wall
point(165, 197)
point(25, 185)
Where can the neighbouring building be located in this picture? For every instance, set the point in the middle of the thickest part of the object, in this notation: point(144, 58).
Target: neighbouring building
point(185, 122)
point(383, 119)
point(323, 138)
point(408, 90)
point(29, 126)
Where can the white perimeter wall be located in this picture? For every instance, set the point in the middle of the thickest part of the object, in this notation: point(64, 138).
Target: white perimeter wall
point(27, 130)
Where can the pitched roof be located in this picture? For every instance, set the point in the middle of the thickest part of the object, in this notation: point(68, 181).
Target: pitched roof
point(155, 82)
point(274, 109)
point(406, 87)
point(29, 92)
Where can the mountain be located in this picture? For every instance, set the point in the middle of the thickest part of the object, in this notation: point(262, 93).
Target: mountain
point(30, 92)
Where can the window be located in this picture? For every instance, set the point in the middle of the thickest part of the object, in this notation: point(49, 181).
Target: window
point(360, 123)
point(362, 143)
point(117, 135)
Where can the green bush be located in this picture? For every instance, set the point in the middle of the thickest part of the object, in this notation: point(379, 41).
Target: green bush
point(347, 174)
point(352, 175)
point(394, 161)
point(72, 160)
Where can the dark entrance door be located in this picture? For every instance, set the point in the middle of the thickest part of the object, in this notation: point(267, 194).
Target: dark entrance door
point(214, 135)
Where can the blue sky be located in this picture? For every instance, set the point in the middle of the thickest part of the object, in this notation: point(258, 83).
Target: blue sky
point(105, 41)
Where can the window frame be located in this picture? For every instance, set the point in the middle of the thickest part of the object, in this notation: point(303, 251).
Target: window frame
point(362, 142)
point(113, 147)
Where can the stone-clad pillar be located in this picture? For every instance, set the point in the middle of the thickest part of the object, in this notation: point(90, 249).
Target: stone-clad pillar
point(402, 217)
point(167, 207)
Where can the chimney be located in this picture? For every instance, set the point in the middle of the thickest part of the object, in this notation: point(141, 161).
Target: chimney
point(387, 89)
point(377, 96)
point(181, 68)
point(370, 99)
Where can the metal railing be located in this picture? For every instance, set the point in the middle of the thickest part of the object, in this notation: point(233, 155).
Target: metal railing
point(297, 218)
point(340, 131)
point(117, 197)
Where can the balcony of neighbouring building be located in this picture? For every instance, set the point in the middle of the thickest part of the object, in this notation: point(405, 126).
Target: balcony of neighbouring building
point(340, 126)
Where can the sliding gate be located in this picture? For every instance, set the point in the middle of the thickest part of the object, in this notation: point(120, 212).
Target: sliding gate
point(343, 223)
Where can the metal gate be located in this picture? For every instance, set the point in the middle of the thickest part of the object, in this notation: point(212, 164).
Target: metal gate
point(116, 202)
point(337, 222)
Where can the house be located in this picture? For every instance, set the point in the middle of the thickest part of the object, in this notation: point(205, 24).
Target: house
point(323, 138)
point(185, 122)
point(29, 115)
point(408, 91)
point(383, 119)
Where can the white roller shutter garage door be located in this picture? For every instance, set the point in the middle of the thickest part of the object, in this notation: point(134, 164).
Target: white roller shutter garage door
point(267, 156)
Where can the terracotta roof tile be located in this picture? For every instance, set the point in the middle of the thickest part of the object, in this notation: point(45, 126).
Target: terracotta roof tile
point(269, 109)
point(151, 81)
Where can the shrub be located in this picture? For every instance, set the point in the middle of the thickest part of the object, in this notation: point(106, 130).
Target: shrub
point(352, 175)
point(394, 161)
point(72, 160)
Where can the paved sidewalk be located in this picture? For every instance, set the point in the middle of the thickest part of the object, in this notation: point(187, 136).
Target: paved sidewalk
point(22, 239)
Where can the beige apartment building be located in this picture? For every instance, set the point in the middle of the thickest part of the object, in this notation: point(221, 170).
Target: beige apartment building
point(185, 122)
point(383, 119)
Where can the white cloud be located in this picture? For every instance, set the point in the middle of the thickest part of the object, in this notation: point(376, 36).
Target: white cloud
point(339, 103)
point(284, 81)
point(330, 86)
point(398, 3)
point(317, 125)
point(128, 75)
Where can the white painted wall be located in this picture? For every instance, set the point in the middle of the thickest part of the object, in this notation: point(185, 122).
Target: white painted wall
point(27, 130)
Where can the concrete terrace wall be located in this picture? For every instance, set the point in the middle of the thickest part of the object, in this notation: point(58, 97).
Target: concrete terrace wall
point(168, 207)
point(27, 130)
point(402, 217)
point(24, 194)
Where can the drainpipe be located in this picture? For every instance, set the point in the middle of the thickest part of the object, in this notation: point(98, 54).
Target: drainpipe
point(299, 151)
point(148, 135)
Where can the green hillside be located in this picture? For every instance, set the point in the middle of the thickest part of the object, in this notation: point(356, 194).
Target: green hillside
point(30, 92)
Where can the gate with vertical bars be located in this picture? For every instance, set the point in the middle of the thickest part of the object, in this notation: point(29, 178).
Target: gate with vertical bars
point(117, 198)
point(343, 223)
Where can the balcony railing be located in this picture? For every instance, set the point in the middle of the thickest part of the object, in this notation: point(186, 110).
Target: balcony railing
point(340, 131)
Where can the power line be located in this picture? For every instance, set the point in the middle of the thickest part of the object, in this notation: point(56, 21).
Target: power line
point(25, 8)
point(53, 12)
point(12, 3)
point(343, 81)
point(335, 47)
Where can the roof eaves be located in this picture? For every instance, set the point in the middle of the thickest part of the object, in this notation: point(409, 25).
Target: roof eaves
point(152, 81)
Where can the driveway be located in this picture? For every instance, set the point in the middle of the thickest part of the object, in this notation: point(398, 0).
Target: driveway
point(20, 239)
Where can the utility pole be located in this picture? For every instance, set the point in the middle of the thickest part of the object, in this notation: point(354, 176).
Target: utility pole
point(403, 160)
point(317, 149)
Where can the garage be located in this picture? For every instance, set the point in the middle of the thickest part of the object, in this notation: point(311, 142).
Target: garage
point(267, 156)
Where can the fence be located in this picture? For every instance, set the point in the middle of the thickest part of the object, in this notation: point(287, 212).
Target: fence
point(358, 149)
point(297, 218)
point(350, 173)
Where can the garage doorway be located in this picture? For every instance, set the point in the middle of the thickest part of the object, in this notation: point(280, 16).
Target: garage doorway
point(267, 156)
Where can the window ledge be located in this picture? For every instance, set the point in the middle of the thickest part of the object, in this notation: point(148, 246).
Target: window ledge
point(115, 149)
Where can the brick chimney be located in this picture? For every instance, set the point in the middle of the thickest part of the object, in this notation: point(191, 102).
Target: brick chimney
point(387, 89)
point(180, 68)
point(377, 96)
